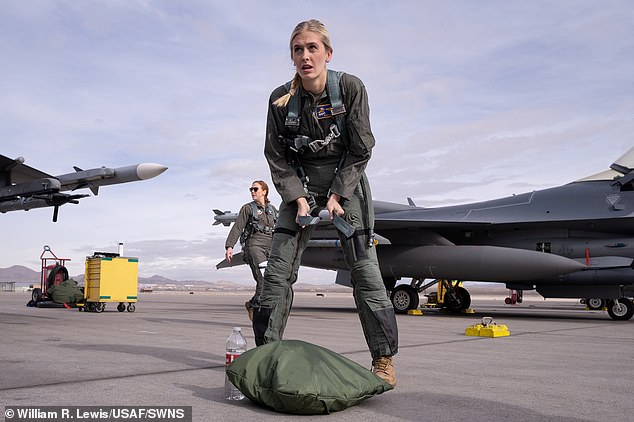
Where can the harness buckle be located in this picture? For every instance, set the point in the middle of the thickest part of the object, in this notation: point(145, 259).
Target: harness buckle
point(292, 121)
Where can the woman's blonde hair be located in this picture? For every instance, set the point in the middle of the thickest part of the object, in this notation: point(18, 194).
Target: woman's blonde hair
point(312, 25)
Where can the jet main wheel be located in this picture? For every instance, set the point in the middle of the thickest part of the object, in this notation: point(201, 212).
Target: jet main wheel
point(404, 298)
point(595, 303)
point(621, 309)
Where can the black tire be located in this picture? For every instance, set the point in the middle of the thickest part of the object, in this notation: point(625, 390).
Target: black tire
point(404, 298)
point(100, 307)
point(36, 294)
point(594, 303)
point(131, 307)
point(121, 307)
point(621, 309)
point(460, 301)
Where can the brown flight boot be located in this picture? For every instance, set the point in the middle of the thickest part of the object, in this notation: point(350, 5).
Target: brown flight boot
point(384, 368)
point(249, 307)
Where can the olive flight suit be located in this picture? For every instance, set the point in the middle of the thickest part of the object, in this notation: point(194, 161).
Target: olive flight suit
point(256, 241)
point(333, 166)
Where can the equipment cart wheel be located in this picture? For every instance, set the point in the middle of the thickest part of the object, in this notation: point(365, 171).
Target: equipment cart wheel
point(404, 297)
point(621, 309)
point(131, 307)
point(36, 294)
point(100, 307)
point(121, 307)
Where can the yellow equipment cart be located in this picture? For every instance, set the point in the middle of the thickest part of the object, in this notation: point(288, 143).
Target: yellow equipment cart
point(110, 278)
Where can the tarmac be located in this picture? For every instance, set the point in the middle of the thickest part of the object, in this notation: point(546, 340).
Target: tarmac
point(560, 362)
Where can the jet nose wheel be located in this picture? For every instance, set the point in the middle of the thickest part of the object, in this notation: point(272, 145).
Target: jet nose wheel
point(404, 298)
point(621, 309)
point(458, 300)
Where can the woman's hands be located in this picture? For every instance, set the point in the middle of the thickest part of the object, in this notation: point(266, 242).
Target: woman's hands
point(333, 207)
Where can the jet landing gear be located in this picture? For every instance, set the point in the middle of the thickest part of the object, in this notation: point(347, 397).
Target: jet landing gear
point(404, 298)
point(451, 296)
point(457, 298)
point(620, 309)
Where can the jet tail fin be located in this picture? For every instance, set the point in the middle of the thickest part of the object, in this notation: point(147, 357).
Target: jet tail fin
point(238, 259)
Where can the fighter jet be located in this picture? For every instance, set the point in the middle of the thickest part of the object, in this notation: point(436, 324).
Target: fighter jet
point(571, 241)
point(23, 187)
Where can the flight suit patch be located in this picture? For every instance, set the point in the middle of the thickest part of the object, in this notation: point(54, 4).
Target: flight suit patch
point(323, 111)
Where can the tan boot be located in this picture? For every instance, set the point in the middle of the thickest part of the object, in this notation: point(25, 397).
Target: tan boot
point(384, 368)
point(249, 307)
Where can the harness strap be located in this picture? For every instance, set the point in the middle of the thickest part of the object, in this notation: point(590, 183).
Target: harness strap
point(292, 116)
point(338, 109)
point(254, 226)
point(336, 100)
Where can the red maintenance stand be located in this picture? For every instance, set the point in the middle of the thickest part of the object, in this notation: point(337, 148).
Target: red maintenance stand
point(53, 272)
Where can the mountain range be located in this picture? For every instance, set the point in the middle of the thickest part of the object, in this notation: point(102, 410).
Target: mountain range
point(24, 276)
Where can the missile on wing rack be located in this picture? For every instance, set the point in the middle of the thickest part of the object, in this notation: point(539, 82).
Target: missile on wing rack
point(46, 191)
point(225, 218)
point(104, 176)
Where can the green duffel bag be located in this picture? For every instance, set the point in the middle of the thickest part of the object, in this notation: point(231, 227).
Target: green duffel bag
point(293, 376)
point(65, 292)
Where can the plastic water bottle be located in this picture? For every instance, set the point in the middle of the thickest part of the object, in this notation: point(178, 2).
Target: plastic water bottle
point(236, 345)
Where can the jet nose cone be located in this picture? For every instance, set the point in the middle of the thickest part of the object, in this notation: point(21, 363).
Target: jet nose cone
point(149, 170)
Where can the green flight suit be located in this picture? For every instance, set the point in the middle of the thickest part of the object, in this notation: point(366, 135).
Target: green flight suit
point(258, 241)
point(289, 240)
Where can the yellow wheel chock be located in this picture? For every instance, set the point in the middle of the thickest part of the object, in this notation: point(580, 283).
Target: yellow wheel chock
point(488, 328)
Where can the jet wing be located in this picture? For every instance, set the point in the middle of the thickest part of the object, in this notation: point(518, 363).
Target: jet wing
point(25, 188)
point(15, 172)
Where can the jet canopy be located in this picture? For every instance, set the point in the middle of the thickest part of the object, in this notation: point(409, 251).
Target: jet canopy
point(623, 165)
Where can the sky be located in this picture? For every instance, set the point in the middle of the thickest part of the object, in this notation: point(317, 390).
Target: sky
point(470, 100)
